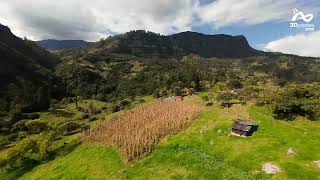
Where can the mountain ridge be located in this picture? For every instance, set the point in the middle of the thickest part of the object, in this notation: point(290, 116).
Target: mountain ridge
point(53, 44)
point(220, 45)
point(26, 72)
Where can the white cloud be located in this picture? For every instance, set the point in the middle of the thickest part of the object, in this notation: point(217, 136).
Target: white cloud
point(249, 12)
point(91, 20)
point(301, 44)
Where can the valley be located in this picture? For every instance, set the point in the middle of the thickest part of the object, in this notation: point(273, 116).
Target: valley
point(141, 105)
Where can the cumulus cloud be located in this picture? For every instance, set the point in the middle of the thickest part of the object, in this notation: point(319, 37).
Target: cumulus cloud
point(301, 44)
point(249, 12)
point(91, 20)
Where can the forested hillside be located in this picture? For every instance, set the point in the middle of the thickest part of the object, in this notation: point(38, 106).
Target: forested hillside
point(53, 102)
point(52, 44)
point(143, 63)
point(26, 73)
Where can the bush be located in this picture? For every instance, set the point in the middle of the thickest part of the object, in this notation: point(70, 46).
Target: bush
point(85, 127)
point(84, 116)
point(234, 84)
point(19, 126)
point(36, 127)
point(121, 105)
point(28, 150)
point(93, 118)
point(12, 137)
point(303, 100)
point(124, 103)
point(115, 108)
point(70, 128)
point(205, 98)
point(141, 100)
point(18, 155)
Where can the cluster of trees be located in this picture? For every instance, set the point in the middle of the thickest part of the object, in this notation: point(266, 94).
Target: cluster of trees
point(33, 150)
point(105, 71)
point(297, 100)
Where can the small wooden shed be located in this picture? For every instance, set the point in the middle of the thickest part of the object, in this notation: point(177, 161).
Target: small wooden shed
point(243, 127)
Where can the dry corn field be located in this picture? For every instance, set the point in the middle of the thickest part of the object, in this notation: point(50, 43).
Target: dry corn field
point(137, 131)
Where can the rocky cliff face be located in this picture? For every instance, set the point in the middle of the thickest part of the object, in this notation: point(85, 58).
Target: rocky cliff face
point(142, 43)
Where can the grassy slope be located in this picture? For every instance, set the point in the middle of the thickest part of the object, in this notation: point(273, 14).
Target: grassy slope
point(190, 155)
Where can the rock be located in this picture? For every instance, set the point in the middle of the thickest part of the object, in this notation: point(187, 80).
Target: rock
point(203, 130)
point(212, 142)
point(270, 168)
point(317, 163)
point(291, 152)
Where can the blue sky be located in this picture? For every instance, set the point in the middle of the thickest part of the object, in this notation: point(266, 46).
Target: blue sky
point(261, 34)
point(265, 23)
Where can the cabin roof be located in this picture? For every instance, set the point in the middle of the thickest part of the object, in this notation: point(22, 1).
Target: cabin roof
point(242, 125)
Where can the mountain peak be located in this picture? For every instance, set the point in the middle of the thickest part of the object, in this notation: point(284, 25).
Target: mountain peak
point(144, 43)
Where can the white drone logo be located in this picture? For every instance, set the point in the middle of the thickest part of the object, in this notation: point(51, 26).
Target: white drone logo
point(300, 15)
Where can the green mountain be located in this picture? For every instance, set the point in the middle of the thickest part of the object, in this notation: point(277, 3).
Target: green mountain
point(143, 63)
point(25, 73)
point(52, 44)
point(142, 43)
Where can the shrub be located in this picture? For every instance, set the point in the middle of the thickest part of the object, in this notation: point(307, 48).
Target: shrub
point(93, 118)
point(141, 100)
point(28, 150)
point(121, 105)
point(19, 126)
point(234, 84)
point(124, 103)
point(205, 98)
point(36, 127)
point(115, 108)
point(70, 128)
point(303, 100)
point(84, 116)
point(18, 155)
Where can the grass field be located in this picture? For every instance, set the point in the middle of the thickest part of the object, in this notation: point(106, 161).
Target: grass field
point(211, 155)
